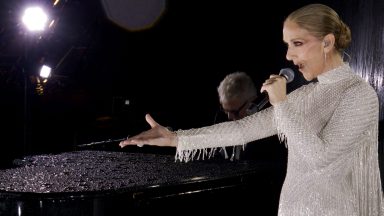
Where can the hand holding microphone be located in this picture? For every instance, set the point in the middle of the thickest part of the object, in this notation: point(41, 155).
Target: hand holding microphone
point(274, 88)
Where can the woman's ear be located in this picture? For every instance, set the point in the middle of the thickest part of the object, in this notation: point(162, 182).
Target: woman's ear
point(328, 41)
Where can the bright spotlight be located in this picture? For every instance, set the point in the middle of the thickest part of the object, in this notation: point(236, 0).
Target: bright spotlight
point(45, 71)
point(35, 19)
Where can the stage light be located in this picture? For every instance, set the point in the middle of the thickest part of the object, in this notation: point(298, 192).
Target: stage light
point(35, 19)
point(45, 71)
point(56, 2)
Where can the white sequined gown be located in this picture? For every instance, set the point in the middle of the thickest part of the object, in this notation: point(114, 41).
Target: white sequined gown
point(331, 130)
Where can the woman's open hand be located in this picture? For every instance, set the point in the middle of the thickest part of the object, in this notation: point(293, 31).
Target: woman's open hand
point(158, 135)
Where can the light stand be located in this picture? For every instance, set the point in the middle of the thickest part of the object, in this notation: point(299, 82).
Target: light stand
point(34, 19)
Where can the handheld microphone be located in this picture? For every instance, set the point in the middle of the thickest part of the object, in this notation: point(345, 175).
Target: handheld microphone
point(288, 74)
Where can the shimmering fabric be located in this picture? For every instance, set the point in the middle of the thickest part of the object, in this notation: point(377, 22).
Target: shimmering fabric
point(331, 131)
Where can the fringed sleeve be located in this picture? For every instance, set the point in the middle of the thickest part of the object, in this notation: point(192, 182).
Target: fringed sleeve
point(202, 142)
point(366, 181)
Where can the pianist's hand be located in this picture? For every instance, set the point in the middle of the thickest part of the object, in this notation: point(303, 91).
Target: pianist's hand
point(158, 135)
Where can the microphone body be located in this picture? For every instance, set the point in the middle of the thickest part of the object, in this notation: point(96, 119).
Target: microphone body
point(288, 74)
point(262, 103)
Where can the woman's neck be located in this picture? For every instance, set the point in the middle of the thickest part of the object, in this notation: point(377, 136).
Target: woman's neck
point(333, 61)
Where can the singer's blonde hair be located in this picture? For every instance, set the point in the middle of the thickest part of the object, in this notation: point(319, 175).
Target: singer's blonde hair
point(321, 20)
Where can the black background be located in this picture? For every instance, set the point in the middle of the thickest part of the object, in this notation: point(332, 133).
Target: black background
point(170, 70)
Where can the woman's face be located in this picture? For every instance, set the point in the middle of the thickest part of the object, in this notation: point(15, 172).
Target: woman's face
point(304, 50)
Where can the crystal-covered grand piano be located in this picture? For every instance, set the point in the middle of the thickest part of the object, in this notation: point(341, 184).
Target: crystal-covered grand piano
point(94, 182)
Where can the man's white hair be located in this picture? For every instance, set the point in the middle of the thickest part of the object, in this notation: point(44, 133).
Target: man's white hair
point(236, 85)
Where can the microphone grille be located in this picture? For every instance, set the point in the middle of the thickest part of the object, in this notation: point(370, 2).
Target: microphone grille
point(288, 74)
